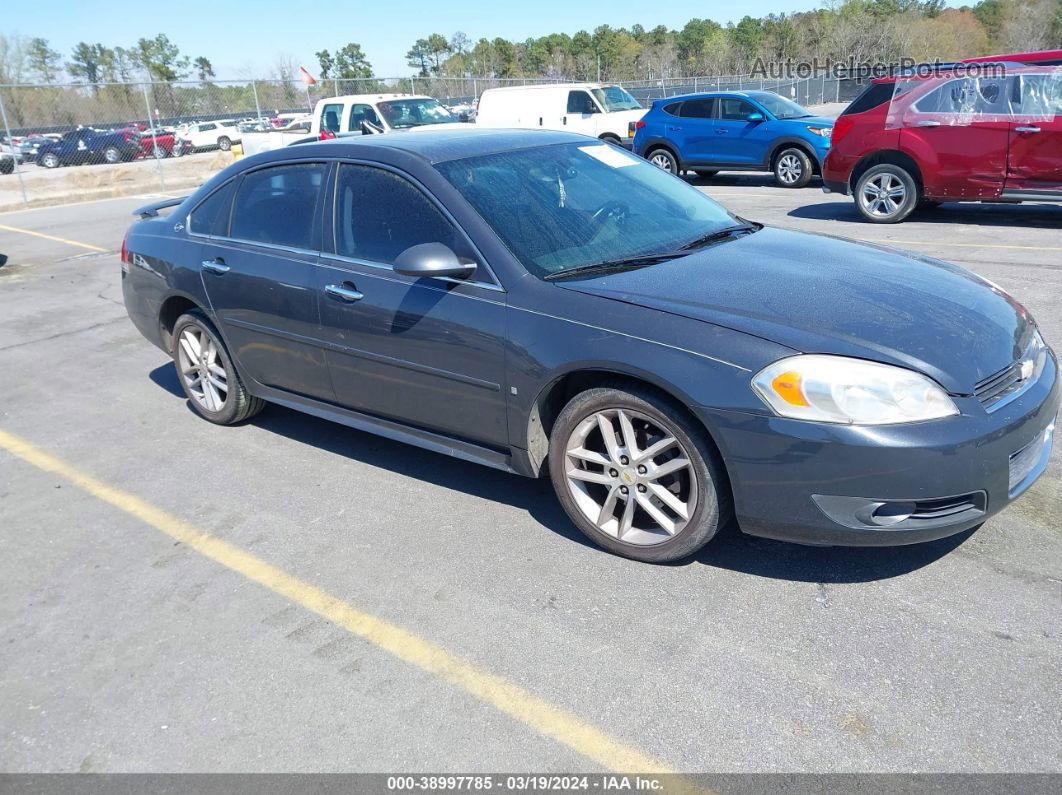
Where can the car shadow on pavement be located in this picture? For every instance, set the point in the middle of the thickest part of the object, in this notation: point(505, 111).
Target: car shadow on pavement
point(1034, 215)
point(779, 560)
point(731, 549)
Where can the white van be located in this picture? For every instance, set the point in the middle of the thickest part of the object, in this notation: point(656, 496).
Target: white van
point(602, 110)
point(358, 114)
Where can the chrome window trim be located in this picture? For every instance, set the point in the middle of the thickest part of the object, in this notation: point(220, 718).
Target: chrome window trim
point(495, 282)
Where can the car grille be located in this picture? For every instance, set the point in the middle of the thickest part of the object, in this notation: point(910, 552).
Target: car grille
point(997, 386)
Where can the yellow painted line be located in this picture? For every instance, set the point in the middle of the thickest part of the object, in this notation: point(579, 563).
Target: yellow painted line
point(89, 246)
point(494, 690)
point(958, 245)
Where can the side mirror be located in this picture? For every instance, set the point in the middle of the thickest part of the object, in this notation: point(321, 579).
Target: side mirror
point(755, 118)
point(368, 128)
point(432, 260)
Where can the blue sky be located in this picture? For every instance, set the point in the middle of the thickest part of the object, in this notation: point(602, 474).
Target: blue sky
point(242, 37)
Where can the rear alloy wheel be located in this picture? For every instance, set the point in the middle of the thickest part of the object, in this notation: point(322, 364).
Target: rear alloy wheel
point(636, 476)
point(112, 155)
point(224, 144)
point(664, 160)
point(792, 168)
point(50, 160)
point(886, 194)
point(208, 375)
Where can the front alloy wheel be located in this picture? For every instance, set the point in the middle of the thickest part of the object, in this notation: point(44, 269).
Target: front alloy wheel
point(635, 475)
point(50, 160)
point(793, 169)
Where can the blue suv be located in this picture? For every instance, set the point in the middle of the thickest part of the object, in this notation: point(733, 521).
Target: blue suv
point(734, 131)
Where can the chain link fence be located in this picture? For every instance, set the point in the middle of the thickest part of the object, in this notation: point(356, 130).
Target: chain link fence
point(161, 138)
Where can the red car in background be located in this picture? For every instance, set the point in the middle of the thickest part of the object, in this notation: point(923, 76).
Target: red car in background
point(952, 137)
point(161, 144)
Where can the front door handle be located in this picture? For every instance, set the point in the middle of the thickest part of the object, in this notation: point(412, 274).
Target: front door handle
point(344, 292)
point(720, 132)
point(1027, 129)
point(928, 123)
point(217, 266)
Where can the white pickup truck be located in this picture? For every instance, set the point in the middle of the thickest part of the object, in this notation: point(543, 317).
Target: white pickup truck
point(358, 114)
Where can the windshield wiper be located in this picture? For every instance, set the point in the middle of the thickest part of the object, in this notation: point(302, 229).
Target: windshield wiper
point(614, 265)
point(719, 234)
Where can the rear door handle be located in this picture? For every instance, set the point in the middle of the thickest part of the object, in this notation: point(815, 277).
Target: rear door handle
point(1027, 129)
point(344, 292)
point(720, 132)
point(928, 123)
point(217, 266)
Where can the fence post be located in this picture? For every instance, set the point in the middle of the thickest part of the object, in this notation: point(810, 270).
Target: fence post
point(14, 159)
point(412, 86)
point(151, 122)
point(257, 107)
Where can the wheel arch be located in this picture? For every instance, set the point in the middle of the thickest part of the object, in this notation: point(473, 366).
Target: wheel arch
point(175, 305)
point(556, 394)
point(892, 156)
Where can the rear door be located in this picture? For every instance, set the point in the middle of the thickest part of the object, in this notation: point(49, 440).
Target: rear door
point(1035, 160)
point(694, 131)
point(425, 352)
point(260, 278)
point(739, 141)
point(958, 130)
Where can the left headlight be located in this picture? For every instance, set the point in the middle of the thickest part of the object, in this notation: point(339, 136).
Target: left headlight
point(837, 389)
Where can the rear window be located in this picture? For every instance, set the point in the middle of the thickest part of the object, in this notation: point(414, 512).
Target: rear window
point(211, 216)
point(874, 95)
point(276, 205)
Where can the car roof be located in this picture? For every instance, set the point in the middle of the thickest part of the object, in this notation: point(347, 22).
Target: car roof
point(435, 146)
point(532, 86)
point(709, 94)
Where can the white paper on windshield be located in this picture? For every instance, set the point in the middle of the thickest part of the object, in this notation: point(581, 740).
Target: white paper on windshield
point(609, 155)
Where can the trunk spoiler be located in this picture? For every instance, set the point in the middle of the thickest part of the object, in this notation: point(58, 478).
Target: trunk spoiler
point(152, 210)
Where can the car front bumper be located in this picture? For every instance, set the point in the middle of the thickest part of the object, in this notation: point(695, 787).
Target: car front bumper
point(818, 483)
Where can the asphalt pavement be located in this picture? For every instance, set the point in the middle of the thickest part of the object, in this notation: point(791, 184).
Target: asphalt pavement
point(292, 595)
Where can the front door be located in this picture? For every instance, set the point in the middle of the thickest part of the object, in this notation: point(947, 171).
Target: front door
point(425, 352)
point(739, 141)
point(1035, 159)
point(580, 113)
point(260, 278)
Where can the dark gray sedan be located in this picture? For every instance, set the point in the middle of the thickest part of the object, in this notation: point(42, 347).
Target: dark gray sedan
point(545, 303)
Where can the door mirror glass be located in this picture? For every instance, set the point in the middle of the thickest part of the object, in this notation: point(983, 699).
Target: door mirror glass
point(755, 118)
point(432, 260)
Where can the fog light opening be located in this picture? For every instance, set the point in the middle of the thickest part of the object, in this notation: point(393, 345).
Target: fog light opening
point(891, 513)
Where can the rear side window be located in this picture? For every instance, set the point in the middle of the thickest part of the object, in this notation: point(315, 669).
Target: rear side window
point(211, 216)
point(330, 117)
point(276, 205)
point(873, 95)
point(698, 108)
point(674, 109)
point(379, 215)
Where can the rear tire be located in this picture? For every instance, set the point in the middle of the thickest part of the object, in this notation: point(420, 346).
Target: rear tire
point(112, 155)
point(224, 144)
point(792, 168)
point(207, 373)
point(50, 160)
point(616, 492)
point(886, 194)
point(664, 160)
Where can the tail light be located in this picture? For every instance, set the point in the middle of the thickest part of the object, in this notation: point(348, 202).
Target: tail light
point(638, 125)
point(841, 128)
point(126, 259)
point(326, 135)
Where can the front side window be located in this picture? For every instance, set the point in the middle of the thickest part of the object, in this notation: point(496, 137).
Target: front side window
point(379, 214)
point(276, 205)
point(567, 205)
point(613, 98)
point(211, 216)
point(404, 113)
point(360, 113)
point(735, 109)
point(580, 102)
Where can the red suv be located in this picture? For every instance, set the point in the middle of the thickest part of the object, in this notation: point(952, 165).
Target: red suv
point(952, 137)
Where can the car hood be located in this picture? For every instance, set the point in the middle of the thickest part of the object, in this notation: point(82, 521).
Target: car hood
point(819, 294)
point(812, 121)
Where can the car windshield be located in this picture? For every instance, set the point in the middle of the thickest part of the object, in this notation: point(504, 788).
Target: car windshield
point(568, 206)
point(782, 108)
point(402, 113)
point(615, 98)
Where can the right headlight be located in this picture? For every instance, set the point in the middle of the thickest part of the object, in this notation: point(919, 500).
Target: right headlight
point(838, 389)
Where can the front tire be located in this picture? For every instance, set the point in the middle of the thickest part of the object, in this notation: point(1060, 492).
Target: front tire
point(112, 155)
point(207, 373)
point(792, 168)
point(664, 160)
point(886, 194)
point(50, 160)
point(636, 475)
